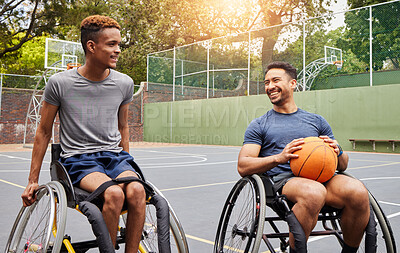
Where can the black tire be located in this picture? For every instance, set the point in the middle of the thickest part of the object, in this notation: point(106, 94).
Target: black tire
point(241, 223)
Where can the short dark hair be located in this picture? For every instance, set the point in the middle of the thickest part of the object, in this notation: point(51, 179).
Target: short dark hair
point(93, 25)
point(289, 69)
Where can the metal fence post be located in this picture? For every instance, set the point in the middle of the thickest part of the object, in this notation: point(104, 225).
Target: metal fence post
point(248, 68)
point(370, 46)
point(208, 69)
point(173, 76)
point(1, 88)
point(304, 55)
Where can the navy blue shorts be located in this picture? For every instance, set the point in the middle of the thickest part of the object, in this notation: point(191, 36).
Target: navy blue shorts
point(110, 163)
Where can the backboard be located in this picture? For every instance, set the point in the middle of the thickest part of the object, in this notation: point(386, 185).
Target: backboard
point(333, 56)
point(59, 53)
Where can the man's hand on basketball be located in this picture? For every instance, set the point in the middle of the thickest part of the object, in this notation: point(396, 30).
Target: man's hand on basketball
point(29, 195)
point(287, 152)
point(333, 143)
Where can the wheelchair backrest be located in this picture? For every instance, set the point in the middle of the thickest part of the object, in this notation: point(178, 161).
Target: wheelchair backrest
point(55, 151)
point(58, 173)
point(270, 193)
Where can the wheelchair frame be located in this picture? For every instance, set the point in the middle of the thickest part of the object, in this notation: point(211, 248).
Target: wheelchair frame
point(243, 217)
point(40, 227)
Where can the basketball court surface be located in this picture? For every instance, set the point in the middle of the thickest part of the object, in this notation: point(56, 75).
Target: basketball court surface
point(196, 180)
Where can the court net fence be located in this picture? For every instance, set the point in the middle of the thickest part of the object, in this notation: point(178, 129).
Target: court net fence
point(366, 45)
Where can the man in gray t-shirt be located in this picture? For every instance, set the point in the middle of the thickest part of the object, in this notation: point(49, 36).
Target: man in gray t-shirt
point(88, 110)
point(269, 145)
point(93, 102)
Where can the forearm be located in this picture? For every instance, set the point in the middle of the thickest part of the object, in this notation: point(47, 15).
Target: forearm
point(256, 165)
point(343, 161)
point(124, 138)
point(39, 149)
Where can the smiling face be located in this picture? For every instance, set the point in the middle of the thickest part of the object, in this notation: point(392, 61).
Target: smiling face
point(106, 50)
point(279, 86)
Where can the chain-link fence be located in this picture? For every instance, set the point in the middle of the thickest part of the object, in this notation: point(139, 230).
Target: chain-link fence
point(18, 81)
point(360, 47)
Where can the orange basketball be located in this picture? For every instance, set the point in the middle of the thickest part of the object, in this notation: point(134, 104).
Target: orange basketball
point(317, 160)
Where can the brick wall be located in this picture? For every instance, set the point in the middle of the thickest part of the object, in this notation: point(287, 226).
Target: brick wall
point(14, 108)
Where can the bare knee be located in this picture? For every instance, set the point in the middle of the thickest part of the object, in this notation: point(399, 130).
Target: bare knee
point(308, 194)
point(135, 194)
point(114, 198)
point(357, 197)
point(313, 198)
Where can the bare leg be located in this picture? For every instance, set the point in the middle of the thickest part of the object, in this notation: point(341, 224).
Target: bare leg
point(309, 198)
point(349, 194)
point(136, 200)
point(113, 200)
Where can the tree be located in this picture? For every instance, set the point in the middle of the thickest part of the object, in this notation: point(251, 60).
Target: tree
point(385, 34)
point(28, 60)
point(23, 20)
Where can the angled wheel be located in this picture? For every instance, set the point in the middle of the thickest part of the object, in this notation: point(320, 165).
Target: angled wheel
point(149, 241)
point(241, 224)
point(40, 227)
point(380, 238)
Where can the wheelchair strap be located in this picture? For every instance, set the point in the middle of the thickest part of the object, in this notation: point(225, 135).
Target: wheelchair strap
point(300, 239)
point(123, 180)
point(99, 227)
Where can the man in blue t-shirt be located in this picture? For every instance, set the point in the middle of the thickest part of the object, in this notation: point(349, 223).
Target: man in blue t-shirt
point(269, 143)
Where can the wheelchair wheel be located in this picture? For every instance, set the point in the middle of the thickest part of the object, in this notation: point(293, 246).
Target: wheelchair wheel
point(241, 224)
point(384, 238)
point(150, 238)
point(40, 227)
point(60, 220)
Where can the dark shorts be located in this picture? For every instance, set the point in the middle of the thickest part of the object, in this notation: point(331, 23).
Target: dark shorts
point(110, 163)
point(281, 179)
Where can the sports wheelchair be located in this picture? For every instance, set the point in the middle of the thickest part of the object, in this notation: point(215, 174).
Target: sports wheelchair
point(40, 227)
point(244, 224)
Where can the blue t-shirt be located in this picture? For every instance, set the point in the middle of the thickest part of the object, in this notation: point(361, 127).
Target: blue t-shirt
point(274, 130)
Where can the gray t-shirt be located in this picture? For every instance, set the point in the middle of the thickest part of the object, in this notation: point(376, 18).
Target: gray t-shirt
point(88, 110)
point(274, 130)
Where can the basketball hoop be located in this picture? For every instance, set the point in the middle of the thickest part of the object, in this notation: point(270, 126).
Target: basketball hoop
point(73, 65)
point(338, 64)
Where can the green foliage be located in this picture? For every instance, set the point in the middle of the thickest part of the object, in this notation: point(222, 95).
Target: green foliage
point(29, 60)
point(385, 35)
point(154, 25)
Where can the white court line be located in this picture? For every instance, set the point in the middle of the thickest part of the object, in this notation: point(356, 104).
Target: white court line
point(24, 171)
point(138, 158)
point(20, 158)
point(374, 166)
point(393, 215)
point(174, 153)
point(203, 159)
point(389, 203)
point(378, 178)
point(197, 186)
point(184, 165)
